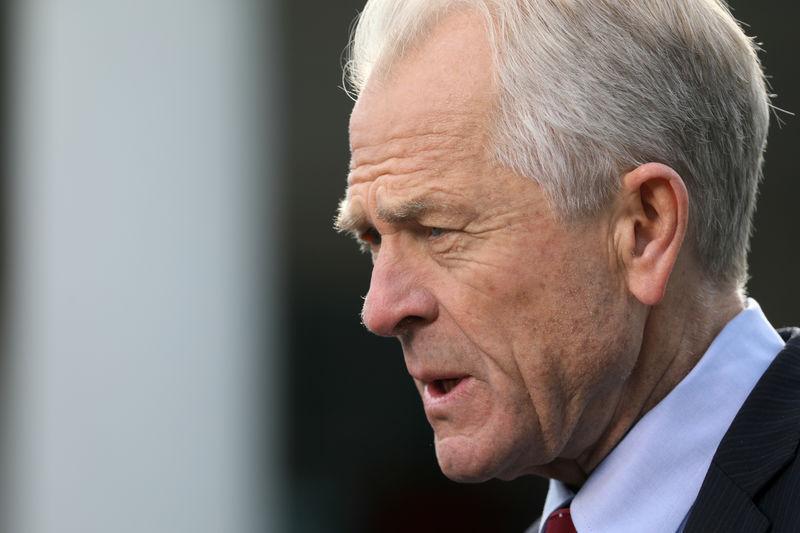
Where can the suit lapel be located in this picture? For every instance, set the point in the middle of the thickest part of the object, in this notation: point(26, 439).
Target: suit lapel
point(762, 439)
point(723, 506)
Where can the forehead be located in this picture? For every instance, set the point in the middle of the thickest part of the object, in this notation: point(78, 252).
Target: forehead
point(440, 86)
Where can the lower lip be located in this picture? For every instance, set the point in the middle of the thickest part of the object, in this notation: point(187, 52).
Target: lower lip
point(435, 400)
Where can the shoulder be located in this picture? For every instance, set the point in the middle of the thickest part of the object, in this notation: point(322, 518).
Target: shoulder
point(754, 479)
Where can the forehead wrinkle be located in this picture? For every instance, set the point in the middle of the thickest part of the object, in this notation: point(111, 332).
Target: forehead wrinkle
point(422, 145)
point(422, 164)
point(431, 126)
point(391, 167)
point(419, 139)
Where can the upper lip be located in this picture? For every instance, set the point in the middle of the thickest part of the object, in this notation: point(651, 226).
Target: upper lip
point(430, 375)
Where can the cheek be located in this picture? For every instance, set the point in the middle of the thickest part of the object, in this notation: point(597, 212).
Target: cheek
point(571, 341)
point(509, 308)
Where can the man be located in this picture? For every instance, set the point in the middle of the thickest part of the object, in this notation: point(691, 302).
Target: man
point(557, 198)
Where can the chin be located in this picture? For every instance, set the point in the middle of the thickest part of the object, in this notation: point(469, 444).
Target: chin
point(461, 475)
point(464, 461)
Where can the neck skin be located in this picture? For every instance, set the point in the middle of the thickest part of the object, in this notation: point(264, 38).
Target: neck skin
point(677, 332)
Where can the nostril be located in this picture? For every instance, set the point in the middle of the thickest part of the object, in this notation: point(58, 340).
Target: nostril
point(407, 323)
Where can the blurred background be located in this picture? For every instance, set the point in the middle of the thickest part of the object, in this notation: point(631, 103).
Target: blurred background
point(181, 343)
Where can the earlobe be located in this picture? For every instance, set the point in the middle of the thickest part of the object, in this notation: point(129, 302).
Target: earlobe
point(651, 226)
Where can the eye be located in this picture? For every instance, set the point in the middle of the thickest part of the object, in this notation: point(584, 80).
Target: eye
point(437, 232)
point(371, 237)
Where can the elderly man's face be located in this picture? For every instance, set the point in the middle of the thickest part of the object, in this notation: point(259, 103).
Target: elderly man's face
point(514, 327)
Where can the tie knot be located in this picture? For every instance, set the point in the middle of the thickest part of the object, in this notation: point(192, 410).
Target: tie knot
point(560, 521)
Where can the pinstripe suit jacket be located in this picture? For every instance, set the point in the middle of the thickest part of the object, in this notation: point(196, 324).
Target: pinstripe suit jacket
point(753, 484)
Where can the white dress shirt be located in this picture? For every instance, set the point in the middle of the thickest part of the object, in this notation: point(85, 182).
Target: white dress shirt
point(650, 481)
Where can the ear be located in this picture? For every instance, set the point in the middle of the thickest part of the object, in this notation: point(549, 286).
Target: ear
point(653, 210)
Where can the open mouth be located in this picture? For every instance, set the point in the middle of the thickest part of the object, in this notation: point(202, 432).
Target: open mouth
point(440, 387)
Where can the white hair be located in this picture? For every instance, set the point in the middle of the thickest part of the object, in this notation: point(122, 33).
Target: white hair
point(590, 89)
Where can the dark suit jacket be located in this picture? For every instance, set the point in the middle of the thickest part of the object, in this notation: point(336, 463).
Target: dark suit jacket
point(753, 484)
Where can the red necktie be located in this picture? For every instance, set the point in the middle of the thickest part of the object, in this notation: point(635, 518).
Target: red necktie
point(560, 521)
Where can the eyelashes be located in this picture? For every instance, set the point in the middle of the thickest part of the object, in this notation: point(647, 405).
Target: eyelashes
point(370, 239)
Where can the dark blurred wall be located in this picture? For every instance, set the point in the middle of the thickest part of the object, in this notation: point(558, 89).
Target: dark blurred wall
point(775, 257)
point(361, 450)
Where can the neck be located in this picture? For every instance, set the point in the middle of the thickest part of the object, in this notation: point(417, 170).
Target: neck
point(677, 332)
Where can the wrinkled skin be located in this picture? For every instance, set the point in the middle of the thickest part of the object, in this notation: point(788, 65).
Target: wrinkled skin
point(522, 333)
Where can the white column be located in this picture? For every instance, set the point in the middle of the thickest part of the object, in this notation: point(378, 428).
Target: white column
point(142, 394)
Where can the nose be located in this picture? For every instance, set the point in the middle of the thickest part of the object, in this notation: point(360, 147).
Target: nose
point(397, 300)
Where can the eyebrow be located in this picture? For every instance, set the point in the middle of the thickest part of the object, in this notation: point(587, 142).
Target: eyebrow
point(352, 219)
point(410, 210)
point(349, 219)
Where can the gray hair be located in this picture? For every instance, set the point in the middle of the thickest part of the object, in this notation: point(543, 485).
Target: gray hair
point(590, 89)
